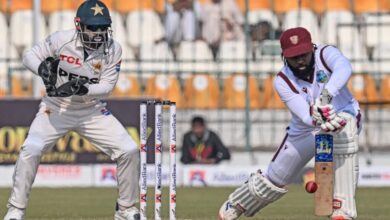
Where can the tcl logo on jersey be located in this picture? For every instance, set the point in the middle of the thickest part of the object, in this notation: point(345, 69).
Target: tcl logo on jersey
point(71, 76)
point(70, 59)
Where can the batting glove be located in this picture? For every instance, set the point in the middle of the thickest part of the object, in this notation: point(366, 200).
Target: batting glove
point(335, 125)
point(322, 113)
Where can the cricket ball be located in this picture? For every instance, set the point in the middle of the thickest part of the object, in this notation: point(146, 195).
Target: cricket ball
point(311, 187)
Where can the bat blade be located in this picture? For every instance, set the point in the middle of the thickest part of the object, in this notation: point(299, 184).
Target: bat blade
point(324, 174)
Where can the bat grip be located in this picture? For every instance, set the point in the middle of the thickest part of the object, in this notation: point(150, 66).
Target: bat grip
point(325, 97)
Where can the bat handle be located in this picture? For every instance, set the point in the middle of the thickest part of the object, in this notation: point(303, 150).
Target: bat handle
point(325, 97)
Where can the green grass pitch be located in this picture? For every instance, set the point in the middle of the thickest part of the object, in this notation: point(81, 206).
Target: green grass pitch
point(192, 203)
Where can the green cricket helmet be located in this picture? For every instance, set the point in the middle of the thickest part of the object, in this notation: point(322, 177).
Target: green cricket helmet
point(93, 23)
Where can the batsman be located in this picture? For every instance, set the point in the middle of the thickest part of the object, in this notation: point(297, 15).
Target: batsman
point(308, 70)
point(79, 67)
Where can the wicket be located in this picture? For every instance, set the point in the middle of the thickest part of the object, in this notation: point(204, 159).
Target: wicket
point(158, 123)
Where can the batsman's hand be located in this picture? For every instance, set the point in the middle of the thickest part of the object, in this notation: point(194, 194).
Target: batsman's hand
point(47, 70)
point(73, 87)
point(322, 113)
point(335, 125)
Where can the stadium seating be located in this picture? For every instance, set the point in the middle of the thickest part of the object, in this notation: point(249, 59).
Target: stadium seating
point(201, 91)
point(385, 89)
point(232, 56)
point(234, 92)
point(51, 6)
point(255, 16)
point(118, 27)
point(347, 38)
point(156, 57)
point(3, 86)
point(330, 30)
point(109, 3)
point(202, 2)
point(195, 56)
point(357, 54)
point(127, 86)
point(303, 18)
point(61, 20)
point(364, 6)
point(165, 86)
point(381, 56)
point(254, 5)
point(126, 6)
point(363, 87)
point(119, 34)
point(271, 99)
point(284, 6)
point(159, 5)
point(322, 6)
point(143, 27)
point(268, 57)
point(22, 31)
point(22, 84)
point(4, 46)
point(10, 7)
point(376, 34)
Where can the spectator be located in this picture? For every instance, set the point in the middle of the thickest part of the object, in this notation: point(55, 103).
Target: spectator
point(180, 22)
point(260, 32)
point(221, 20)
point(201, 145)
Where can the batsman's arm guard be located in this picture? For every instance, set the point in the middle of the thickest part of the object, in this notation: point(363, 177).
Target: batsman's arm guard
point(346, 168)
point(255, 194)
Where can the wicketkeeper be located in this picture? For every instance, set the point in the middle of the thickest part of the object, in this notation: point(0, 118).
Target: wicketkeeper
point(78, 67)
point(307, 71)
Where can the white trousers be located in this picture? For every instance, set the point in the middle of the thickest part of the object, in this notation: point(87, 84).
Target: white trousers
point(99, 127)
point(292, 155)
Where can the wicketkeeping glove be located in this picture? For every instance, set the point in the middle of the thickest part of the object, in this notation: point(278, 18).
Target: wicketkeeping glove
point(47, 70)
point(73, 87)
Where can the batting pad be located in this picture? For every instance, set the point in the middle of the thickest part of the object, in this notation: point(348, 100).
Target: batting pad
point(346, 141)
point(255, 194)
point(346, 168)
point(346, 175)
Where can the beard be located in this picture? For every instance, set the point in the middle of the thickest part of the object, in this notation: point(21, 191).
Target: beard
point(303, 73)
point(93, 42)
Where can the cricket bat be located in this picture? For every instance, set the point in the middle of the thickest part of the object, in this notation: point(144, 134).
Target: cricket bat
point(323, 169)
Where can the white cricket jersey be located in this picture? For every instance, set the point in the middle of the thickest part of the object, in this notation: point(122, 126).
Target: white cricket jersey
point(332, 71)
point(100, 68)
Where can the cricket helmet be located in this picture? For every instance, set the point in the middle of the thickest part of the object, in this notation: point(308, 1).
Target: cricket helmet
point(93, 23)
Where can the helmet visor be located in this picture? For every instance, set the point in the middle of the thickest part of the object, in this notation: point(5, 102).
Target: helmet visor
point(94, 36)
point(95, 28)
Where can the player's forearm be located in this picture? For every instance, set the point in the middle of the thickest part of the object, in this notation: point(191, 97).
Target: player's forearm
point(100, 90)
point(31, 61)
point(33, 57)
point(299, 107)
point(339, 79)
point(341, 72)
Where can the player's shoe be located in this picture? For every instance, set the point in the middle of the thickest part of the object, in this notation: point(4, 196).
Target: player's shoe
point(340, 217)
point(229, 212)
point(14, 214)
point(131, 213)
